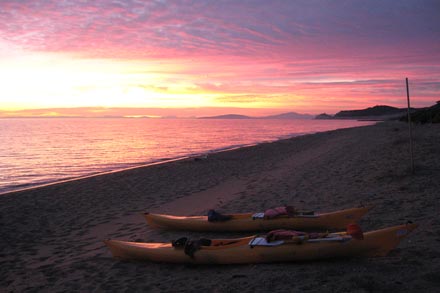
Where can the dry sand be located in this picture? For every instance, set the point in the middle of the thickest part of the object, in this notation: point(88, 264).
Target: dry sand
point(51, 237)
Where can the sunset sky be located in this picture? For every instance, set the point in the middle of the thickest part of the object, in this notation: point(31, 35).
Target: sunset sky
point(212, 57)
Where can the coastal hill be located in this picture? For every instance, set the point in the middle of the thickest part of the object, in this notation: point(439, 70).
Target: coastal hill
point(425, 115)
point(371, 112)
point(379, 112)
point(289, 115)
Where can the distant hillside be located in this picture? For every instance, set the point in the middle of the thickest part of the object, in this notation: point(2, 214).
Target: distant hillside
point(372, 112)
point(227, 116)
point(289, 115)
point(323, 116)
point(425, 115)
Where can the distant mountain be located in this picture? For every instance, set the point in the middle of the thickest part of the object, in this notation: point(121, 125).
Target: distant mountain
point(289, 115)
point(323, 116)
point(380, 112)
point(425, 115)
point(227, 116)
point(372, 112)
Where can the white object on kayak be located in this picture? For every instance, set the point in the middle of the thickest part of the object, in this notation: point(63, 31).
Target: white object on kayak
point(258, 216)
point(261, 241)
point(261, 216)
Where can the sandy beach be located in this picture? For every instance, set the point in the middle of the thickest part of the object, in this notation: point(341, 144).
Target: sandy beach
point(52, 236)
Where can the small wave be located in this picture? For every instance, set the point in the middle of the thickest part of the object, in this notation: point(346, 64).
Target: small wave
point(228, 148)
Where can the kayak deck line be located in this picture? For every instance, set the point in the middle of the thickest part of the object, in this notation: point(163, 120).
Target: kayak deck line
point(246, 222)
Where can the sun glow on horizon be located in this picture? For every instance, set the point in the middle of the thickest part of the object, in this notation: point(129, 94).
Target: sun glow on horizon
point(42, 80)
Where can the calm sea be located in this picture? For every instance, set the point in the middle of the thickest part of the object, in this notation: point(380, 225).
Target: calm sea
point(44, 150)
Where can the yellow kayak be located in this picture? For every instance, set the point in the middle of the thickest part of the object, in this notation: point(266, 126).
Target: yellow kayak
point(247, 222)
point(245, 251)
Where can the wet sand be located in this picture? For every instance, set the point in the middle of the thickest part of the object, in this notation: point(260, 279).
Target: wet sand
point(52, 236)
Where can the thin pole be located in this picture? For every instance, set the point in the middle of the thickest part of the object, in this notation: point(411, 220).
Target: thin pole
point(409, 127)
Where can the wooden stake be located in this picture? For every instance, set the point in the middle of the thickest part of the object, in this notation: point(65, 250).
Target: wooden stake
point(409, 127)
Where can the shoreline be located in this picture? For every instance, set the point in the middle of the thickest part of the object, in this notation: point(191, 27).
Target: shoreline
point(140, 165)
point(32, 186)
point(73, 179)
point(52, 236)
